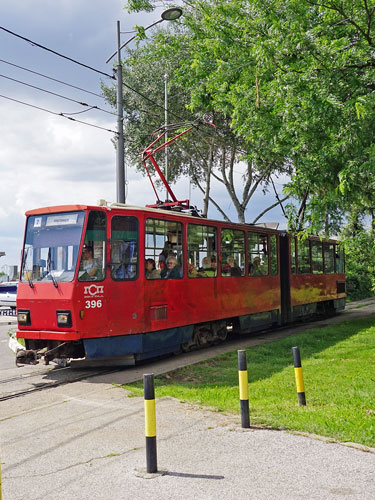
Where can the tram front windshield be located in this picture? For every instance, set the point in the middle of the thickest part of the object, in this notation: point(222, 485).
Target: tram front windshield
point(51, 247)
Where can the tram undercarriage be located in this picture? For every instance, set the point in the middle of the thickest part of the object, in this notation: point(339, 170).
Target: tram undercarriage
point(201, 336)
point(128, 349)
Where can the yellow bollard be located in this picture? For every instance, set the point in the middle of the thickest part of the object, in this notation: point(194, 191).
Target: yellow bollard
point(150, 422)
point(299, 377)
point(244, 389)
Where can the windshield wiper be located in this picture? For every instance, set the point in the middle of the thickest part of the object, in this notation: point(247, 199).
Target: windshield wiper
point(49, 270)
point(24, 271)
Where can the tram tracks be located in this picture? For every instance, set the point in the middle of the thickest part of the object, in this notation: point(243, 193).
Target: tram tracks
point(50, 384)
point(28, 375)
point(260, 337)
point(234, 342)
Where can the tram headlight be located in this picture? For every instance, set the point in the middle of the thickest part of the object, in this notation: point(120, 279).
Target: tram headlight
point(64, 318)
point(23, 317)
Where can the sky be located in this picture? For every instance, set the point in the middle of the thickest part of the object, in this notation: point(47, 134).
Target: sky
point(46, 159)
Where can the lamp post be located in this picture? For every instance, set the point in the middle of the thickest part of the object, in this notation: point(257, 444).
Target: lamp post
point(168, 15)
point(166, 129)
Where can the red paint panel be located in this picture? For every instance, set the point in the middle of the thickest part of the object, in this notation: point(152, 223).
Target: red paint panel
point(110, 308)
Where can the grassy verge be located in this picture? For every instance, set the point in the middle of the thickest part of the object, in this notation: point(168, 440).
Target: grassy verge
point(338, 369)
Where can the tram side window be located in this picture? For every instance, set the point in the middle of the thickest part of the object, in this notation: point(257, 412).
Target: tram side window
point(317, 257)
point(329, 258)
point(293, 243)
point(274, 263)
point(92, 265)
point(258, 254)
point(303, 256)
point(124, 248)
point(340, 259)
point(232, 252)
point(163, 249)
point(201, 251)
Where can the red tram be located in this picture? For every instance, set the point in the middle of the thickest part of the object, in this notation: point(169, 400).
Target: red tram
point(128, 283)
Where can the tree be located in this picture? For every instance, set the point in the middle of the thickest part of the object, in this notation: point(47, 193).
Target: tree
point(296, 80)
point(203, 156)
point(359, 256)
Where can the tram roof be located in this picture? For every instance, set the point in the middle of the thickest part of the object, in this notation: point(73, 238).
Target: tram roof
point(102, 204)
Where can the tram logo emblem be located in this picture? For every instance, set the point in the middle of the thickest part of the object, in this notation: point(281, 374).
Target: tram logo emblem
point(94, 290)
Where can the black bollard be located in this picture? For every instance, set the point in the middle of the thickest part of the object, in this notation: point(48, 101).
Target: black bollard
point(244, 389)
point(150, 422)
point(299, 377)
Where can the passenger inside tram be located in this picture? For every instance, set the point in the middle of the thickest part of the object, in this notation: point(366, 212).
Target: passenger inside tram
point(171, 271)
point(234, 269)
point(257, 268)
point(167, 250)
point(208, 269)
point(151, 272)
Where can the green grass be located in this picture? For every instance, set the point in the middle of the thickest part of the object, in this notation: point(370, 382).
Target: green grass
point(339, 375)
point(12, 333)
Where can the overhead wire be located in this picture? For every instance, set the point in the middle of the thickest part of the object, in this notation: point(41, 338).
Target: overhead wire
point(58, 95)
point(53, 79)
point(151, 101)
point(57, 114)
point(33, 43)
point(80, 112)
point(88, 67)
point(193, 124)
point(56, 53)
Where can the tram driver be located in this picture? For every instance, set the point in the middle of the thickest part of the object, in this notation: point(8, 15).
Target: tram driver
point(89, 265)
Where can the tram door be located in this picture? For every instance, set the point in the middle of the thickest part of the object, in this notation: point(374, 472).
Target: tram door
point(92, 294)
point(123, 286)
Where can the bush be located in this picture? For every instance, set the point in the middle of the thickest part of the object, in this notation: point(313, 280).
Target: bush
point(360, 262)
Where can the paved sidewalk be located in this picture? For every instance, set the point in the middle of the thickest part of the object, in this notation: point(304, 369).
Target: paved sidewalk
point(8, 320)
point(86, 441)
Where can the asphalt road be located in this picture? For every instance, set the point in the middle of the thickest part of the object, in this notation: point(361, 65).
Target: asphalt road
point(6, 356)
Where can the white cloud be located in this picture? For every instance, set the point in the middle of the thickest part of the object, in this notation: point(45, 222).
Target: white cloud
point(47, 160)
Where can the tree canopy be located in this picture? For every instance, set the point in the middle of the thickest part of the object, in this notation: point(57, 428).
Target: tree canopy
point(204, 155)
point(294, 79)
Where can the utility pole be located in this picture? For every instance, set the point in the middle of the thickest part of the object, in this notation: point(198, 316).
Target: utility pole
point(171, 14)
point(166, 128)
point(120, 168)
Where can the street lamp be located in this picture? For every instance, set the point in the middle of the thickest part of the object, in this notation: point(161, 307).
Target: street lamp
point(168, 15)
